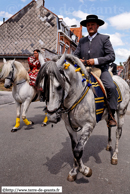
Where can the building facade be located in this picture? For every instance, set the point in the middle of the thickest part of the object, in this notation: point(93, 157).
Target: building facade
point(35, 27)
point(127, 69)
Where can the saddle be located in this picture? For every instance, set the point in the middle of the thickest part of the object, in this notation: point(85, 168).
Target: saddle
point(96, 73)
point(100, 92)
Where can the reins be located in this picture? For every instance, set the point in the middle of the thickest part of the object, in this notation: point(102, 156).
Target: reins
point(82, 95)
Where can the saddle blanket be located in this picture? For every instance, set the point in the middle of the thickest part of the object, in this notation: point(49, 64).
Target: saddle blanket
point(100, 98)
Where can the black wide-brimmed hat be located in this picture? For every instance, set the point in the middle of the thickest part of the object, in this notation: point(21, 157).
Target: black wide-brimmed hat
point(92, 18)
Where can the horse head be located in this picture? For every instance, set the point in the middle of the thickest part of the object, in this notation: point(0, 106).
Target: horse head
point(12, 72)
point(53, 83)
point(60, 82)
point(9, 79)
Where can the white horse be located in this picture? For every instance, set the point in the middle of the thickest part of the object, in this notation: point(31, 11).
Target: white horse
point(14, 73)
point(66, 94)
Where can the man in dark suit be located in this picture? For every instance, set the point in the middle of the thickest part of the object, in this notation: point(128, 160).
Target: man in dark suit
point(96, 50)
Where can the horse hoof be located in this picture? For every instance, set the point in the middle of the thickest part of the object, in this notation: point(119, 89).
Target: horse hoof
point(32, 123)
point(114, 161)
point(89, 173)
point(108, 148)
point(71, 178)
point(13, 130)
point(43, 124)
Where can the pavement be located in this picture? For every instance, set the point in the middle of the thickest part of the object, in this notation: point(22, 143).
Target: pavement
point(6, 98)
point(42, 156)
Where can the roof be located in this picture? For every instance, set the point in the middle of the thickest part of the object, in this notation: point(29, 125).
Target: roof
point(119, 67)
point(32, 27)
point(77, 31)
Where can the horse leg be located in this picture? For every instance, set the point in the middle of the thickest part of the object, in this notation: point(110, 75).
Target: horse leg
point(109, 145)
point(120, 121)
point(86, 171)
point(17, 124)
point(25, 108)
point(74, 171)
point(44, 123)
point(78, 150)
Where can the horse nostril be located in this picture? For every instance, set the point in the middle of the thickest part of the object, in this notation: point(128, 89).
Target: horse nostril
point(7, 86)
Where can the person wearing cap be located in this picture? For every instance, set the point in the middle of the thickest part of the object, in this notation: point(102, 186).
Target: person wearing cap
point(96, 50)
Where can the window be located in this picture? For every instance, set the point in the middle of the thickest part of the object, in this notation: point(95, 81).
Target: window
point(61, 48)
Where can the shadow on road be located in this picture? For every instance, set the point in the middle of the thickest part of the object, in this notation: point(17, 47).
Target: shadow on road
point(95, 145)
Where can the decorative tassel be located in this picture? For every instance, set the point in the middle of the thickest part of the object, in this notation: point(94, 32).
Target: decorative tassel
point(75, 65)
point(89, 84)
point(83, 80)
point(17, 122)
point(66, 65)
point(77, 70)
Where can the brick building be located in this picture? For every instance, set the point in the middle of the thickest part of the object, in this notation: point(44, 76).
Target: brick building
point(34, 26)
point(127, 69)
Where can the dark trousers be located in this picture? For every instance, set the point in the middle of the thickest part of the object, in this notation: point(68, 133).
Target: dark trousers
point(110, 89)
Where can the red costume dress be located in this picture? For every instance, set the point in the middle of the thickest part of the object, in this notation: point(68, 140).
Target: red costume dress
point(33, 64)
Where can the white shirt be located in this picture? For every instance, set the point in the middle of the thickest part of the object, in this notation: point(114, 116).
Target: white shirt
point(91, 38)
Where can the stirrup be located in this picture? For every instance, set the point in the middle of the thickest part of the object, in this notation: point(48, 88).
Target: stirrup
point(112, 122)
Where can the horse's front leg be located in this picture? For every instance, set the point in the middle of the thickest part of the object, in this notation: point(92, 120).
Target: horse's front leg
point(74, 171)
point(25, 108)
point(78, 150)
point(17, 124)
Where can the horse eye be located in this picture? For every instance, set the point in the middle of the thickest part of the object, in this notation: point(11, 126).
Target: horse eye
point(59, 88)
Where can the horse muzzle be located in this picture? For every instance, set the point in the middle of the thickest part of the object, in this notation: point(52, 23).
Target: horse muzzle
point(54, 118)
point(7, 85)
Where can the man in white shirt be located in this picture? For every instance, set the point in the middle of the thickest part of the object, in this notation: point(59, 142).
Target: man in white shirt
point(96, 50)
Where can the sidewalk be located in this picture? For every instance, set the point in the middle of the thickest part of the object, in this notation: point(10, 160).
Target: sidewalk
point(6, 97)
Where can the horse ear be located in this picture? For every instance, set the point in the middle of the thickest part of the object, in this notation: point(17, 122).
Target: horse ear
point(13, 62)
point(4, 60)
point(61, 61)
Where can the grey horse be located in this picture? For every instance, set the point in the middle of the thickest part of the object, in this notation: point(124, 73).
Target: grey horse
point(67, 95)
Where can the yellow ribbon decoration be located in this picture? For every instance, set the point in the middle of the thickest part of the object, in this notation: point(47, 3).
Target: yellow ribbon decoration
point(45, 119)
point(17, 122)
point(66, 66)
point(78, 69)
point(26, 121)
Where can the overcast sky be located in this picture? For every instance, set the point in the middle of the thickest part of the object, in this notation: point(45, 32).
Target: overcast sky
point(115, 13)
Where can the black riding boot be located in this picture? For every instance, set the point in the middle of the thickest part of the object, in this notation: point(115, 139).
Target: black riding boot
point(111, 118)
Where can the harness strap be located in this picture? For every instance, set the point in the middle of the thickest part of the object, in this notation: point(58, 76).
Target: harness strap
point(76, 103)
point(83, 94)
point(20, 82)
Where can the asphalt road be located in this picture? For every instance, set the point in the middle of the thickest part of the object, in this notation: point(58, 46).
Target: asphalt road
point(42, 156)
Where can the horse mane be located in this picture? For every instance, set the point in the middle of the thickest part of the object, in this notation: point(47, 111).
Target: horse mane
point(21, 71)
point(75, 60)
point(50, 67)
